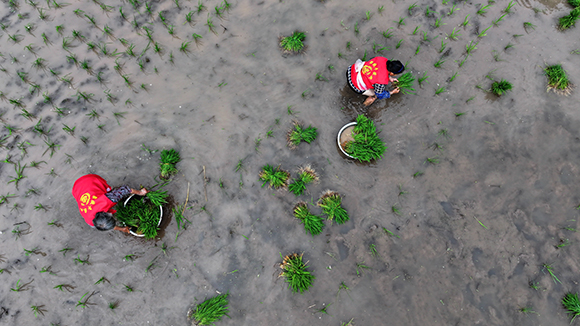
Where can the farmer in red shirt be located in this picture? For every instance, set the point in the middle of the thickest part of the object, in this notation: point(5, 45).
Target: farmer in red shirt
point(96, 200)
point(371, 78)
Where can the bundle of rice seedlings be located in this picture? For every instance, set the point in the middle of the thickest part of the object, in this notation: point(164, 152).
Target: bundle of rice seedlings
point(140, 214)
point(574, 3)
point(306, 175)
point(277, 177)
point(557, 79)
point(312, 223)
point(572, 305)
point(501, 87)
point(331, 204)
point(300, 134)
point(210, 311)
point(294, 43)
point(168, 160)
point(569, 20)
point(294, 270)
point(405, 83)
point(367, 145)
point(158, 197)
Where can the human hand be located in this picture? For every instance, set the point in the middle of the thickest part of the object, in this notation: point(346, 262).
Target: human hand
point(393, 79)
point(395, 91)
point(125, 229)
point(142, 192)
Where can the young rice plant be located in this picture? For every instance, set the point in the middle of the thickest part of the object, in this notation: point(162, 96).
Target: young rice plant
point(367, 145)
point(306, 175)
point(294, 270)
point(501, 87)
point(277, 177)
point(293, 43)
point(299, 134)
point(572, 305)
point(312, 223)
point(405, 83)
point(557, 79)
point(211, 310)
point(331, 204)
point(168, 160)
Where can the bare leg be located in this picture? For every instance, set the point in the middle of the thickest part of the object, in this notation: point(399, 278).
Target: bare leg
point(370, 100)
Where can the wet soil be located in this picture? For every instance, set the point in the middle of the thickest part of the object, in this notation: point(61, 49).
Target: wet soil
point(470, 232)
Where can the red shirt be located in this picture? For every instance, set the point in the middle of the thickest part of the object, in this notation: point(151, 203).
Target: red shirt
point(373, 72)
point(89, 192)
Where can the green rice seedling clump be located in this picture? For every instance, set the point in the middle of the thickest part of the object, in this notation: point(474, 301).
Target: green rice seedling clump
point(574, 3)
point(367, 145)
point(299, 134)
point(293, 43)
point(306, 175)
point(557, 79)
point(294, 270)
point(501, 87)
point(312, 223)
point(144, 215)
point(572, 305)
point(331, 204)
point(157, 197)
point(168, 160)
point(405, 83)
point(277, 177)
point(569, 20)
point(211, 310)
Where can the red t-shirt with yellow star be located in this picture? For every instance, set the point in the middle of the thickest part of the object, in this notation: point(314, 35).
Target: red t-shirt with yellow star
point(89, 192)
point(373, 72)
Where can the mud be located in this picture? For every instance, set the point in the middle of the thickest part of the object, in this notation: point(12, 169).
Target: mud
point(470, 234)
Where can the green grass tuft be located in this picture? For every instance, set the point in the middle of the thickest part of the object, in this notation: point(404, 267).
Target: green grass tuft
point(312, 223)
point(306, 175)
point(405, 83)
point(367, 145)
point(572, 305)
point(211, 310)
point(331, 204)
point(168, 160)
point(569, 20)
point(294, 270)
point(277, 177)
point(293, 43)
point(141, 214)
point(501, 87)
point(299, 134)
point(557, 79)
point(157, 197)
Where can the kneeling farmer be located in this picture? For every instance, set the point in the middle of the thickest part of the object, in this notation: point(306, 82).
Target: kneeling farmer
point(96, 200)
point(370, 78)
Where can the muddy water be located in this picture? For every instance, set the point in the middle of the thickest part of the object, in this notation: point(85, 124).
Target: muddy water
point(471, 233)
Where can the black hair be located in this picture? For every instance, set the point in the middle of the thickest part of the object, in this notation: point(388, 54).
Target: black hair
point(104, 221)
point(395, 66)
